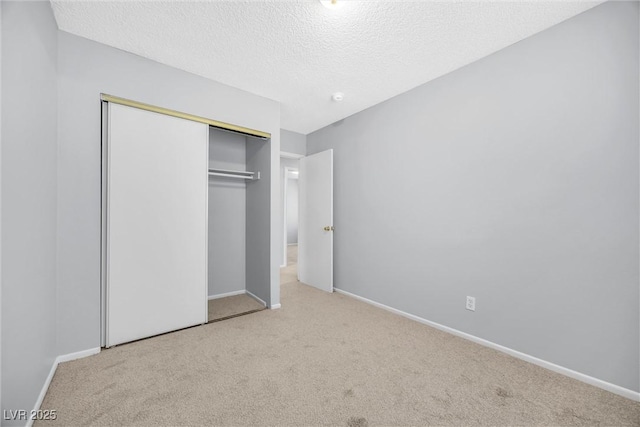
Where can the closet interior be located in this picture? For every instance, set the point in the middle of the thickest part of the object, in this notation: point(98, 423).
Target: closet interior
point(229, 181)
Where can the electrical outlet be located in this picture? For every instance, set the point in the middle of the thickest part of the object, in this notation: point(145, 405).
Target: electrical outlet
point(471, 303)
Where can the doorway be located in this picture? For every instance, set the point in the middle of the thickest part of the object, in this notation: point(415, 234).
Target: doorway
point(289, 174)
point(307, 220)
point(291, 214)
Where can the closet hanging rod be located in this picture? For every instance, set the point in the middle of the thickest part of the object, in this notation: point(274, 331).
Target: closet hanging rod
point(234, 174)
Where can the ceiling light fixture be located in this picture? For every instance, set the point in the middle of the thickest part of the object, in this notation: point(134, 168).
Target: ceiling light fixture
point(338, 96)
point(331, 4)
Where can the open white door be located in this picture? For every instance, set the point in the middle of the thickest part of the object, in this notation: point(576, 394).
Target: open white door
point(156, 254)
point(315, 221)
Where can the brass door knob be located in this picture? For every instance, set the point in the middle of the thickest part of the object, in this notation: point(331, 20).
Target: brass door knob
point(328, 228)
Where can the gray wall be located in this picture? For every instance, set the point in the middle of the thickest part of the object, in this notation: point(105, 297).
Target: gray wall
point(85, 70)
point(29, 171)
point(260, 262)
point(293, 142)
point(514, 180)
point(292, 211)
point(227, 214)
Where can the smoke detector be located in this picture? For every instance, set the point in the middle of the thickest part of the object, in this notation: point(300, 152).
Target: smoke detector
point(338, 96)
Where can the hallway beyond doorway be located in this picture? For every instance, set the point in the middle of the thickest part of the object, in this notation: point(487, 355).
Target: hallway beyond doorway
point(290, 272)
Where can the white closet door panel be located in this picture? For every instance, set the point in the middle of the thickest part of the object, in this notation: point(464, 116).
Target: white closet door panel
point(157, 224)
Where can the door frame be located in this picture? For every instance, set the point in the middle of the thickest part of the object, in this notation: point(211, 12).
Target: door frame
point(283, 177)
point(285, 193)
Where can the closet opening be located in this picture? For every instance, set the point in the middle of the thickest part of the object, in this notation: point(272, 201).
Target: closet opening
point(185, 221)
point(231, 181)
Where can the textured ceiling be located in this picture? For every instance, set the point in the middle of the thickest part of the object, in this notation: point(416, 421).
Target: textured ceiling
point(300, 52)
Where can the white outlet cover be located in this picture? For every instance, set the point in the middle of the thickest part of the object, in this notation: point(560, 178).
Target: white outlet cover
point(471, 303)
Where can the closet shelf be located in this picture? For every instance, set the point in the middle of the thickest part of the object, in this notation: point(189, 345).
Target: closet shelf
point(234, 174)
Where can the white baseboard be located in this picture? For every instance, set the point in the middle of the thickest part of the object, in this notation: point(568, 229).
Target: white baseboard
point(227, 294)
point(621, 391)
point(54, 367)
point(43, 392)
point(77, 355)
point(256, 298)
point(275, 306)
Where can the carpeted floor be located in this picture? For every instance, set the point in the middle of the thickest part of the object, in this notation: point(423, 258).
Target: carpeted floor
point(228, 307)
point(292, 255)
point(290, 273)
point(322, 359)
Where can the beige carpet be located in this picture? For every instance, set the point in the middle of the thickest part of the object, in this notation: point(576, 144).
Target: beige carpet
point(290, 273)
point(322, 359)
point(228, 307)
point(292, 255)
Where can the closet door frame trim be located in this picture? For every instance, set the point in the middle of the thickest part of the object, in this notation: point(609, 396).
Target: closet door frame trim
point(161, 110)
point(104, 249)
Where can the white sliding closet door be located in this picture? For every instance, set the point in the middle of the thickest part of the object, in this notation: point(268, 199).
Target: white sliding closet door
point(156, 224)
